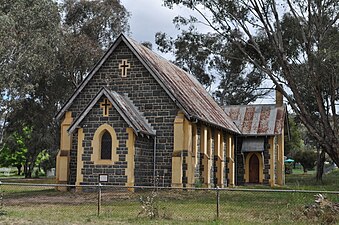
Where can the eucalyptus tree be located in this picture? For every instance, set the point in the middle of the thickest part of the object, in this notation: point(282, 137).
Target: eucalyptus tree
point(90, 27)
point(45, 50)
point(215, 62)
point(30, 71)
point(295, 44)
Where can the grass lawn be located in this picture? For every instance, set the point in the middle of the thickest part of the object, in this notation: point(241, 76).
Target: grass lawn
point(308, 181)
point(41, 205)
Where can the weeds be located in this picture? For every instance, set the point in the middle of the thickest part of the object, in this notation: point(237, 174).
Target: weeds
point(323, 210)
point(2, 210)
point(150, 207)
point(198, 183)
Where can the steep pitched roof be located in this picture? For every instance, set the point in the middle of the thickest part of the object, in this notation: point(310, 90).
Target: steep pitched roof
point(257, 120)
point(183, 88)
point(125, 108)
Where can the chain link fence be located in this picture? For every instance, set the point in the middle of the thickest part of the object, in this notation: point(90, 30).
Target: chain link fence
point(24, 203)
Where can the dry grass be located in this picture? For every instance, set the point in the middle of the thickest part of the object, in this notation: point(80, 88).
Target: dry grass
point(28, 205)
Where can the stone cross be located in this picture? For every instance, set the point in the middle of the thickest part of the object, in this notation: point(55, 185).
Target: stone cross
point(105, 105)
point(124, 65)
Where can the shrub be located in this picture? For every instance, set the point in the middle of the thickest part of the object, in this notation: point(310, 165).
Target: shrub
point(149, 206)
point(306, 158)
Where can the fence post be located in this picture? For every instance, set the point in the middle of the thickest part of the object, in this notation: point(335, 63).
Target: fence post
point(2, 211)
point(218, 201)
point(99, 198)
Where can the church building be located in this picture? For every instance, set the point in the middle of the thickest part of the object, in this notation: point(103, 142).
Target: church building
point(137, 119)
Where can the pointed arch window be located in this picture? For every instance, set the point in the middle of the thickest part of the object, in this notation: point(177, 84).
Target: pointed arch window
point(106, 146)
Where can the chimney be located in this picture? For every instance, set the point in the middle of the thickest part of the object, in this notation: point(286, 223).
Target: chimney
point(278, 98)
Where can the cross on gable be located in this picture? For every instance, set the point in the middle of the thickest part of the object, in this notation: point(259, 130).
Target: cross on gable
point(105, 105)
point(123, 66)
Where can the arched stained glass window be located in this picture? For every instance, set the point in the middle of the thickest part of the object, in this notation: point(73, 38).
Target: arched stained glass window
point(106, 145)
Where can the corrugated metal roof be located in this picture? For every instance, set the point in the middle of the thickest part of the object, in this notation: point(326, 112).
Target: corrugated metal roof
point(257, 119)
point(182, 87)
point(185, 88)
point(125, 108)
point(133, 115)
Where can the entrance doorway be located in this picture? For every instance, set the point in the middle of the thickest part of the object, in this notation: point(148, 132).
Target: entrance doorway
point(254, 169)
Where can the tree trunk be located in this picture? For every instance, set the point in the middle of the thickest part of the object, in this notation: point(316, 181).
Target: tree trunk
point(28, 173)
point(25, 168)
point(304, 169)
point(332, 152)
point(320, 165)
point(28, 169)
point(19, 169)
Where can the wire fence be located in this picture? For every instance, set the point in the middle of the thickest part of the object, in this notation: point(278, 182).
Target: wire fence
point(105, 204)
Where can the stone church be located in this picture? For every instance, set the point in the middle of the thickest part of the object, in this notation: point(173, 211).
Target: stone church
point(138, 119)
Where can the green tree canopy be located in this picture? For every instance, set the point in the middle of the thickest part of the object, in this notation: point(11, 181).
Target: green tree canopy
point(295, 44)
point(89, 28)
point(13, 153)
point(214, 62)
point(46, 50)
point(307, 159)
point(296, 142)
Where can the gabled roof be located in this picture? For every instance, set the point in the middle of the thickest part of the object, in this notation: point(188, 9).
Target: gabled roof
point(125, 108)
point(257, 120)
point(183, 88)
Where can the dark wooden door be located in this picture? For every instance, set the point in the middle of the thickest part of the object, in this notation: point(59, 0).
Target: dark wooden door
point(254, 169)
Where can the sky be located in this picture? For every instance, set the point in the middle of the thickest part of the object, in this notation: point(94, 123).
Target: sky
point(150, 16)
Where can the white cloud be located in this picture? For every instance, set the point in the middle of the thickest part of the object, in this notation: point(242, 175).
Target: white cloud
point(149, 17)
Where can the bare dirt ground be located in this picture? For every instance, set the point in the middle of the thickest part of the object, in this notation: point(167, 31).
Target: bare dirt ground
point(69, 198)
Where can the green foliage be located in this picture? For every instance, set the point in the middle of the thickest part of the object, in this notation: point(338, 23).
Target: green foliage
point(28, 53)
point(198, 183)
point(14, 152)
point(213, 61)
point(295, 143)
point(45, 51)
point(307, 158)
point(89, 28)
point(288, 168)
point(99, 20)
point(31, 73)
point(43, 163)
point(294, 43)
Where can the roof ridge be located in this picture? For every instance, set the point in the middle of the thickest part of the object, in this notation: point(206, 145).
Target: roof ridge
point(95, 68)
point(143, 128)
point(130, 101)
point(162, 58)
point(182, 87)
point(203, 107)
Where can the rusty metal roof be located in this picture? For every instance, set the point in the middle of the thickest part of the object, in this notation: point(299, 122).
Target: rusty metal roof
point(124, 107)
point(188, 93)
point(133, 117)
point(257, 119)
point(183, 88)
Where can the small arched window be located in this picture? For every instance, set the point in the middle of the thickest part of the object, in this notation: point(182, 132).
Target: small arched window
point(106, 145)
